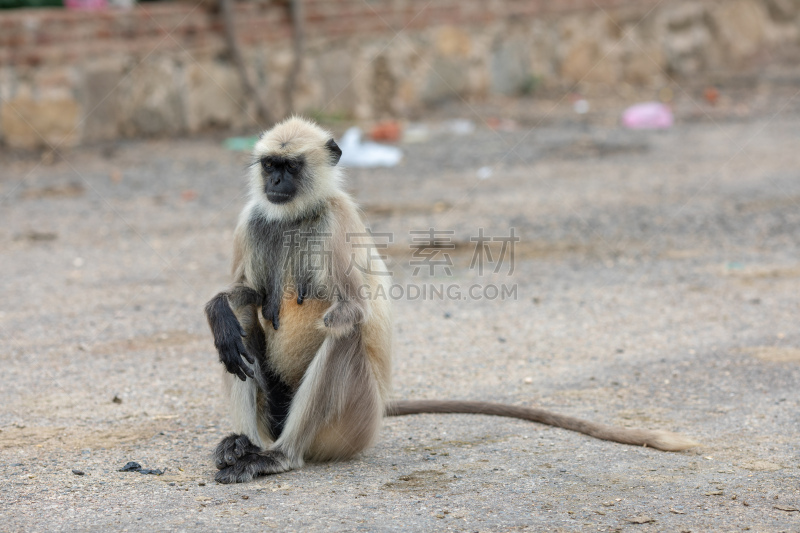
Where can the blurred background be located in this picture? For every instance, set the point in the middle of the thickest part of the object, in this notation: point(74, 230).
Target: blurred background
point(644, 153)
point(100, 70)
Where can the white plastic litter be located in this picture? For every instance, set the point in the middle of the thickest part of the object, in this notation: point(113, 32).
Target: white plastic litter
point(648, 116)
point(460, 126)
point(368, 154)
point(581, 106)
point(416, 133)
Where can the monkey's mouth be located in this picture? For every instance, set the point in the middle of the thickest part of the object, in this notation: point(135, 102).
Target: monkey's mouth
point(278, 197)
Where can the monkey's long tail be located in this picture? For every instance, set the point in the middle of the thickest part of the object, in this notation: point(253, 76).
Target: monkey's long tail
point(661, 440)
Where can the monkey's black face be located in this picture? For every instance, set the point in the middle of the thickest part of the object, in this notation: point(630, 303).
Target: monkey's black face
point(282, 177)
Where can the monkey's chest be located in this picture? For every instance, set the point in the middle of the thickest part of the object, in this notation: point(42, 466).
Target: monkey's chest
point(291, 348)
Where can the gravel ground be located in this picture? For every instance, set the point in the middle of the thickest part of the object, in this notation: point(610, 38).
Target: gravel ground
point(657, 280)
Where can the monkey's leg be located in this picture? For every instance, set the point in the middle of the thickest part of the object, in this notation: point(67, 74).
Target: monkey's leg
point(338, 386)
point(250, 418)
point(258, 412)
point(245, 414)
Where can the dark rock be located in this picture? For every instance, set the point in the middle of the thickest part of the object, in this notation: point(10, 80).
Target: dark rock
point(131, 466)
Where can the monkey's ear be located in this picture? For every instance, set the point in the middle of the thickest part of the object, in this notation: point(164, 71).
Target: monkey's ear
point(336, 152)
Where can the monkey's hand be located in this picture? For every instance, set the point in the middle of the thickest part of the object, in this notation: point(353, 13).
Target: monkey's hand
point(271, 309)
point(342, 317)
point(302, 293)
point(228, 335)
point(231, 352)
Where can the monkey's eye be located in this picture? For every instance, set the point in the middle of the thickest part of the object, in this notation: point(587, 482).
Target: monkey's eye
point(292, 165)
point(266, 164)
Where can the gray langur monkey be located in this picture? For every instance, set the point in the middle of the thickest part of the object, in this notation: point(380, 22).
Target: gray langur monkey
point(307, 354)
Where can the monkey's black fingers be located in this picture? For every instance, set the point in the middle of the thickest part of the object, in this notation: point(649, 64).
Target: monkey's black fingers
point(231, 448)
point(251, 465)
point(271, 310)
point(232, 359)
point(302, 293)
point(248, 372)
point(242, 332)
point(244, 353)
point(274, 317)
point(234, 369)
point(242, 369)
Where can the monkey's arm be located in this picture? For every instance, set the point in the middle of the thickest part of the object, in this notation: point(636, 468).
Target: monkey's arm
point(227, 330)
point(225, 327)
point(660, 440)
point(349, 308)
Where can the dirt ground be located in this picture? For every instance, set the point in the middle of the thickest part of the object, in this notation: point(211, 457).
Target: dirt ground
point(657, 279)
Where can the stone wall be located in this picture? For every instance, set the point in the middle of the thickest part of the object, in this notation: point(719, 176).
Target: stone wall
point(162, 69)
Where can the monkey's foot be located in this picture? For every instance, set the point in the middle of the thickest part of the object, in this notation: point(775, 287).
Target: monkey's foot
point(231, 448)
point(254, 464)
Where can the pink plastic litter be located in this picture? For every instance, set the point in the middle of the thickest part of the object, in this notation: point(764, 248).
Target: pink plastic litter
point(648, 116)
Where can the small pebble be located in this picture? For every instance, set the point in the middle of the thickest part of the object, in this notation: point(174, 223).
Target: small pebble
point(77, 472)
point(201, 484)
point(116, 399)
